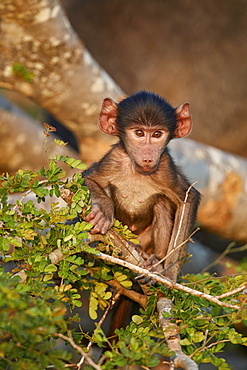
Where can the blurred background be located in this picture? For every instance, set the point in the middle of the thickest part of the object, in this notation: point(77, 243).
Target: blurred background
point(184, 50)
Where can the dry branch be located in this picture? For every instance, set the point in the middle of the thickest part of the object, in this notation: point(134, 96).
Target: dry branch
point(182, 215)
point(167, 282)
point(141, 299)
point(78, 348)
point(57, 256)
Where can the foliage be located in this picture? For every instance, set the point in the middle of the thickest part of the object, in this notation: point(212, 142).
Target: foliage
point(23, 72)
point(35, 311)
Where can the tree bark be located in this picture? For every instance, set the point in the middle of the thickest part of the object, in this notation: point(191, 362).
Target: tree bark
point(42, 58)
point(22, 142)
point(222, 180)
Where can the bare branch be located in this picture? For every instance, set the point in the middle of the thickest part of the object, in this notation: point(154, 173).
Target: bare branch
point(113, 302)
point(234, 291)
point(220, 257)
point(57, 256)
point(183, 211)
point(173, 250)
point(165, 281)
point(179, 230)
point(137, 297)
point(80, 350)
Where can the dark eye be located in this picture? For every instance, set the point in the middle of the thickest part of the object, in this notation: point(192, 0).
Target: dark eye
point(139, 133)
point(157, 134)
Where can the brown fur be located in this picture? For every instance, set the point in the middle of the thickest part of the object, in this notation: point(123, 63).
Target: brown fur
point(137, 181)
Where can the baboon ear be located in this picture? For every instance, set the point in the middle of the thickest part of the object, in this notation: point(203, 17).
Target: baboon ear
point(184, 120)
point(107, 117)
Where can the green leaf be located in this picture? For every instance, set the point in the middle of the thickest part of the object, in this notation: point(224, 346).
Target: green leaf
point(108, 295)
point(123, 279)
point(75, 163)
point(153, 361)
point(198, 337)
point(78, 304)
point(120, 276)
point(60, 142)
point(23, 72)
point(50, 268)
point(137, 319)
point(185, 342)
point(93, 306)
point(67, 238)
point(47, 277)
point(120, 361)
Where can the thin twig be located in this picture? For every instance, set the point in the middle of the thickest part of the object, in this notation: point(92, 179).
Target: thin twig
point(205, 339)
point(220, 257)
point(80, 350)
point(238, 249)
point(28, 192)
point(139, 270)
point(183, 212)
point(114, 300)
point(236, 290)
point(173, 250)
point(163, 280)
point(179, 230)
point(213, 344)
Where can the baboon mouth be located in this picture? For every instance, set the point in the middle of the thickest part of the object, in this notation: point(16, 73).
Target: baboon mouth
point(146, 169)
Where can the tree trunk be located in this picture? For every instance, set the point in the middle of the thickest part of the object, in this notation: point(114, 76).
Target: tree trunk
point(222, 181)
point(42, 58)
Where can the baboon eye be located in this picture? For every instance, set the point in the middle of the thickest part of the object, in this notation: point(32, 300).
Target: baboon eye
point(139, 133)
point(157, 134)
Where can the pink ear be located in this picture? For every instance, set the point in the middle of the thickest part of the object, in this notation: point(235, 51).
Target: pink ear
point(184, 120)
point(107, 117)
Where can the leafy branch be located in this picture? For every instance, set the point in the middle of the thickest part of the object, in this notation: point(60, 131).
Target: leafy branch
point(56, 262)
point(130, 253)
